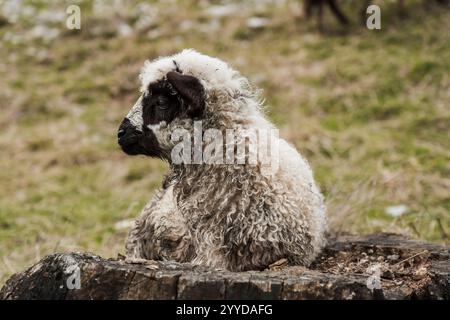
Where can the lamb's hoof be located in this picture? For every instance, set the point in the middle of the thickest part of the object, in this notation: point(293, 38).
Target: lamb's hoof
point(278, 265)
point(149, 264)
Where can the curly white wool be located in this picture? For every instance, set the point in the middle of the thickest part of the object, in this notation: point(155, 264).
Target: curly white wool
point(235, 217)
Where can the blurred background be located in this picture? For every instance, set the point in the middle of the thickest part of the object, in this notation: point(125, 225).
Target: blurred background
point(370, 109)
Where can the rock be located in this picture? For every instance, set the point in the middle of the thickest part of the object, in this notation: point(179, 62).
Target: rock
point(397, 211)
point(257, 22)
point(222, 10)
point(336, 274)
point(124, 224)
point(124, 30)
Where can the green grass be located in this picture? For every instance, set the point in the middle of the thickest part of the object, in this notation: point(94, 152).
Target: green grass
point(369, 109)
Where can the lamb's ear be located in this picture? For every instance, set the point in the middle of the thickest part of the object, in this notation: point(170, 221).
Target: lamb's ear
point(190, 89)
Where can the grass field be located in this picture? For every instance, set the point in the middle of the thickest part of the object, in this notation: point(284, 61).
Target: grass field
point(369, 109)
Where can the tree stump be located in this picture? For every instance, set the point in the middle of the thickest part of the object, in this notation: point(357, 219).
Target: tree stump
point(379, 266)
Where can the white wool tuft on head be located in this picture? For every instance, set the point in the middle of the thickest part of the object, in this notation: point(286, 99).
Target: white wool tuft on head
point(212, 73)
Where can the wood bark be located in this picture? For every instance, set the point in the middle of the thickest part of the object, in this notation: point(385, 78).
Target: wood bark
point(379, 266)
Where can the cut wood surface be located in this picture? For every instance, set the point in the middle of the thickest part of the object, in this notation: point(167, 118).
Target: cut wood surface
point(378, 266)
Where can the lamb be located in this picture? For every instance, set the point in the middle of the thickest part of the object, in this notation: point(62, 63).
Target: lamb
point(229, 216)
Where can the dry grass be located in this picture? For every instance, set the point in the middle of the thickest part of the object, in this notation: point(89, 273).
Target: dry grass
point(369, 109)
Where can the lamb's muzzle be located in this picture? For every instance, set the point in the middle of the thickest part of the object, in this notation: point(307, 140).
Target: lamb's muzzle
point(127, 135)
point(235, 217)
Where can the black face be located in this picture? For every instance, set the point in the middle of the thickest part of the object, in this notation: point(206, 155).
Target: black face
point(177, 95)
point(161, 103)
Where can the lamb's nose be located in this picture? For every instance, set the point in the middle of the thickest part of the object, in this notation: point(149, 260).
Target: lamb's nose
point(124, 128)
point(120, 133)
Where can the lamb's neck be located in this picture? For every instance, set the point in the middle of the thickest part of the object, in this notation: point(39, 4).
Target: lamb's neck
point(253, 119)
point(195, 173)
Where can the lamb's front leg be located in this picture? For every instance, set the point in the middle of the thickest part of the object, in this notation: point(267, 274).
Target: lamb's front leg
point(160, 233)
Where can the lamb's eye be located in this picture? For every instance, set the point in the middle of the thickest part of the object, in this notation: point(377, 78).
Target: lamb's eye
point(162, 103)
